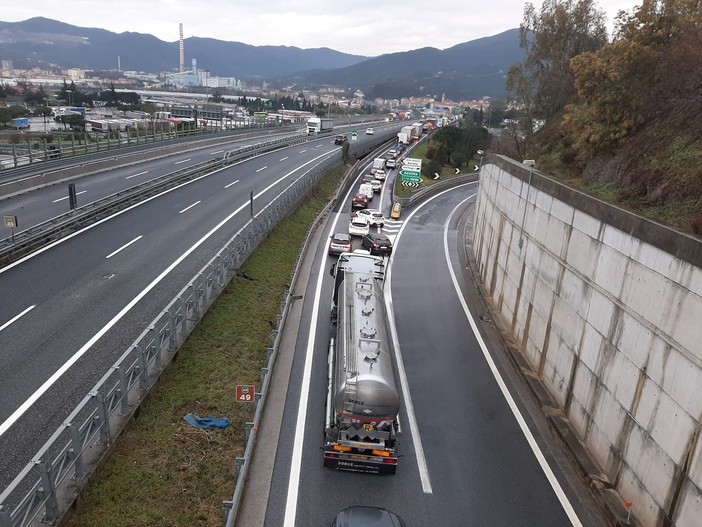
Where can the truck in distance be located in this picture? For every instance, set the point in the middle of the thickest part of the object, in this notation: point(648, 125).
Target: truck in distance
point(362, 423)
point(19, 123)
point(317, 125)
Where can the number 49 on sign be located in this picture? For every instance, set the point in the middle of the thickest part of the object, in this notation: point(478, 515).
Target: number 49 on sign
point(245, 393)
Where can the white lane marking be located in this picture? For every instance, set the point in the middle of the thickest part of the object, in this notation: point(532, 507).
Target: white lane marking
point(66, 197)
point(139, 174)
point(124, 247)
point(262, 168)
point(555, 485)
point(217, 152)
point(16, 317)
point(284, 158)
point(303, 151)
point(27, 404)
point(407, 397)
point(232, 183)
point(183, 161)
point(190, 206)
point(319, 145)
point(296, 462)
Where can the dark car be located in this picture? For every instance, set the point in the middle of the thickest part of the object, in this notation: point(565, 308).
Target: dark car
point(367, 178)
point(359, 201)
point(340, 139)
point(377, 243)
point(358, 516)
point(340, 243)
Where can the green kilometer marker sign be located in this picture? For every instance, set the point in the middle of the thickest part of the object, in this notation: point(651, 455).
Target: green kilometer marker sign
point(412, 176)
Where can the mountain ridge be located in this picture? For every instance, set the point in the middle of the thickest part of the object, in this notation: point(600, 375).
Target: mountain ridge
point(469, 70)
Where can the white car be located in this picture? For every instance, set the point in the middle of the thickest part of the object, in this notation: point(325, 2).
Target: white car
point(358, 226)
point(377, 185)
point(372, 216)
point(391, 163)
point(379, 174)
point(370, 131)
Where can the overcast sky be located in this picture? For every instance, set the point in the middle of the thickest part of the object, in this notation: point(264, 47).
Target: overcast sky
point(360, 27)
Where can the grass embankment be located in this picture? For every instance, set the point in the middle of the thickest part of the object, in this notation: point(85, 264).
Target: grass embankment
point(164, 473)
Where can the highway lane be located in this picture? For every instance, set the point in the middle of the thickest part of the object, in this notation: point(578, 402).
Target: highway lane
point(471, 456)
point(111, 280)
point(44, 203)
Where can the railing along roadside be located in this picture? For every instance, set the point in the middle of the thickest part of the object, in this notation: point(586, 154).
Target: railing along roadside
point(231, 507)
point(433, 189)
point(64, 224)
point(27, 158)
point(45, 489)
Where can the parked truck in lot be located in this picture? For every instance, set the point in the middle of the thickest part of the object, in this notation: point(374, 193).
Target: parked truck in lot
point(362, 424)
point(19, 123)
point(317, 125)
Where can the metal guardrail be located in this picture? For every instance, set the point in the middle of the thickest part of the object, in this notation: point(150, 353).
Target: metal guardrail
point(231, 508)
point(46, 487)
point(431, 190)
point(61, 467)
point(59, 226)
point(47, 158)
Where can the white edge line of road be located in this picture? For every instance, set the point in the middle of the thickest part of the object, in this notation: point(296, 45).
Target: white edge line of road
point(558, 490)
point(409, 406)
point(5, 426)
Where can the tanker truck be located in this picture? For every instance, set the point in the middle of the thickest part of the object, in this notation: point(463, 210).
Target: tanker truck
point(362, 424)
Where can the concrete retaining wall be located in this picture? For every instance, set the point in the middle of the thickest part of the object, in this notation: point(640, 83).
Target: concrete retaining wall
point(607, 308)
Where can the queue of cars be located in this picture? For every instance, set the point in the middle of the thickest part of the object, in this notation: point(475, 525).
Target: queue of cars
point(364, 220)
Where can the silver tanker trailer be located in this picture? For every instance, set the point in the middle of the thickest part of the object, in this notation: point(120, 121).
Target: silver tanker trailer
point(363, 400)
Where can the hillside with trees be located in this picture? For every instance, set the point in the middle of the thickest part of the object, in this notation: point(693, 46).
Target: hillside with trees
point(619, 118)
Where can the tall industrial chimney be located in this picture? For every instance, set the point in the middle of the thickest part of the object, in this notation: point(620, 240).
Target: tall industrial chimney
point(182, 50)
point(119, 63)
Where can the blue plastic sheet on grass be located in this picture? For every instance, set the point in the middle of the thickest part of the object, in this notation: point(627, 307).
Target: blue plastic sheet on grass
point(206, 422)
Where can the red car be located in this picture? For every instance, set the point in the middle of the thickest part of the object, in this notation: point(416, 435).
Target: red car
point(359, 201)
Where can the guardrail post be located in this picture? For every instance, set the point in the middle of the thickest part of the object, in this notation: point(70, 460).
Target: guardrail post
point(247, 432)
point(48, 492)
point(123, 390)
point(237, 467)
point(77, 448)
point(143, 369)
point(104, 417)
point(264, 372)
point(257, 398)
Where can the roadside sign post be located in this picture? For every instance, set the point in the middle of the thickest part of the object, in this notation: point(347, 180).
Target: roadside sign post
point(413, 176)
point(354, 136)
point(11, 223)
point(245, 393)
point(412, 163)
